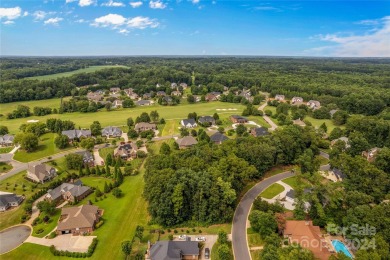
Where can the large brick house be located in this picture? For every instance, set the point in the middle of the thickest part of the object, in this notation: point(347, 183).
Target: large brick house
point(143, 126)
point(173, 250)
point(40, 172)
point(8, 200)
point(236, 119)
point(72, 192)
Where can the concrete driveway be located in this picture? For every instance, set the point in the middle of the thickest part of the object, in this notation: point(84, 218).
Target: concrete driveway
point(210, 241)
point(65, 242)
point(13, 237)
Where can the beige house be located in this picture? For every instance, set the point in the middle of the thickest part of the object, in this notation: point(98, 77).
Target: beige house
point(40, 172)
point(143, 126)
point(186, 141)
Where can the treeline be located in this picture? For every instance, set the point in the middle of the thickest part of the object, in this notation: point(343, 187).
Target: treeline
point(203, 183)
point(355, 85)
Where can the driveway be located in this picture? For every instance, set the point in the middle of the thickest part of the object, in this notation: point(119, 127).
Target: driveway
point(98, 160)
point(13, 237)
point(287, 204)
point(65, 242)
point(267, 119)
point(210, 241)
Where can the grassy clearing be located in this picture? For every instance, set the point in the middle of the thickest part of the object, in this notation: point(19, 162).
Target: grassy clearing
point(272, 191)
point(95, 182)
point(259, 120)
point(292, 181)
point(317, 122)
point(119, 117)
point(6, 149)
point(5, 167)
point(46, 148)
point(31, 252)
point(256, 254)
point(46, 227)
point(278, 169)
point(171, 128)
point(70, 73)
point(154, 147)
point(254, 238)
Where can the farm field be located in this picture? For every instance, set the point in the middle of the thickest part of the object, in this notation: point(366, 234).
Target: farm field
point(70, 73)
point(119, 117)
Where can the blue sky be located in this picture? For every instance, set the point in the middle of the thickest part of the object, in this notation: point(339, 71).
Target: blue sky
point(195, 27)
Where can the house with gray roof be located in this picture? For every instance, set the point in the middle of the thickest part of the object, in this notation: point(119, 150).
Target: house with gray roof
point(88, 158)
point(126, 150)
point(76, 134)
point(40, 172)
point(111, 131)
point(279, 97)
point(218, 138)
point(144, 103)
point(314, 104)
point(259, 131)
point(209, 120)
point(186, 141)
point(189, 123)
point(6, 140)
point(173, 250)
point(72, 192)
point(78, 220)
point(8, 200)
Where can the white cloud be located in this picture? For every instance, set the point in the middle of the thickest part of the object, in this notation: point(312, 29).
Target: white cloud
point(374, 43)
point(40, 15)
point(83, 3)
point(123, 31)
point(113, 20)
point(10, 13)
point(141, 22)
point(8, 22)
point(111, 3)
point(25, 13)
point(70, 1)
point(369, 22)
point(157, 4)
point(136, 4)
point(53, 21)
point(195, 1)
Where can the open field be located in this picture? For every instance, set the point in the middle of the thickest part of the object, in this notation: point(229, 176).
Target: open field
point(46, 147)
point(272, 191)
point(70, 73)
point(119, 117)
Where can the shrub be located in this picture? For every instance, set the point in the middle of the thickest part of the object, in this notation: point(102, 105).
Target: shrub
point(100, 223)
point(52, 235)
point(187, 231)
point(175, 231)
point(39, 231)
point(193, 230)
point(170, 237)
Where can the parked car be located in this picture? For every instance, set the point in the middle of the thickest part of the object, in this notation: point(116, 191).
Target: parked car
point(182, 237)
point(207, 253)
point(200, 239)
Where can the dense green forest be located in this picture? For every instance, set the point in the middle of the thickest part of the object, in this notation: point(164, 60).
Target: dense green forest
point(355, 85)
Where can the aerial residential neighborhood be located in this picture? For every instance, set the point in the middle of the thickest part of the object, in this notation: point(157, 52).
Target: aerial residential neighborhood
point(194, 130)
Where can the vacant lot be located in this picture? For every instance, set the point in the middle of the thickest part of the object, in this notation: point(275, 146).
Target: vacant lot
point(70, 73)
point(119, 117)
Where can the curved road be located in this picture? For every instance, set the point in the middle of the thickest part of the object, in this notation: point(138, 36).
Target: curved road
point(239, 235)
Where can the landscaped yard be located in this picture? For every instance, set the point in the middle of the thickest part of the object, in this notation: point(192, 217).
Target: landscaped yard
point(70, 73)
point(105, 151)
point(272, 191)
point(45, 148)
point(6, 149)
point(95, 182)
point(119, 117)
point(46, 227)
point(317, 122)
point(5, 167)
point(214, 252)
point(292, 181)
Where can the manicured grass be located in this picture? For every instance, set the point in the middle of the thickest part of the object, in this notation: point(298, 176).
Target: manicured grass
point(45, 148)
point(272, 191)
point(278, 169)
point(154, 147)
point(119, 117)
point(70, 73)
point(32, 252)
point(317, 122)
point(171, 127)
point(292, 181)
point(259, 120)
point(105, 151)
point(95, 182)
point(254, 238)
point(6, 149)
point(5, 167)
point(47, 227)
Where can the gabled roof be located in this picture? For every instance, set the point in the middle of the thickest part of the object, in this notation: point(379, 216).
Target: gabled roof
point(206, 119)
point(173, 250)
point(186, 141)
point(218, 137)
point(7, 198)
point(6, 139)
point(41, 171)
point(260, 131)
point(143, 125)
point(72, 134)
point(238, 117)
point(87, 156)
point(190, 121)
point(75, 189)
point(143, 102)
point(111, 130)
point(83, 216)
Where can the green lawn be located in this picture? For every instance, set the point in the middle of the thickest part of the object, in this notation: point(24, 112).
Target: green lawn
point(5, 167)
point(119, 117)
point(272, 191)
point(32, 252)
point(154, 147)
point(254, 238)
point(47, 227)
point(317, 122)
point(255, 254)
point(259, 120)
point(46, 148)
point(171, 127)
point(214, 252)
point(95, 182)
point(6, 149)
point(105, 151)
point(292, 181)
point(70, 73)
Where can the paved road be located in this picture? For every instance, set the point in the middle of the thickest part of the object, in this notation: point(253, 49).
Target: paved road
point(13, 237)
point(239, 236)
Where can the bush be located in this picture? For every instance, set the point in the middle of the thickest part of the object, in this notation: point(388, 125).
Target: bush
point(170, 237)
point(187, 231)
point(52, 235)
point(175, 231)
point(39, 231)
point(100, 223)
point(193, 230)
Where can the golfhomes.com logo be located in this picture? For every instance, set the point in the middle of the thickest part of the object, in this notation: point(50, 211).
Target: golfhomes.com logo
point(356, 236)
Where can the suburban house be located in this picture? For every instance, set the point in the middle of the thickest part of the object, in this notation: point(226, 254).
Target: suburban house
point(218, 138)
point(143, 126)
point(94, 96)
point(111, 131)
point(115, 90)
point(314, 104)
point(167, 99)
point(279, 97)
point(299, 122)
point(147, 96)
point(308, 236)
point(297, 100)
point(186, 141)
point(338, 174)
point(117, 103)
point(189, 123)
point(173, 250)
point(72, 192)
point(173, 85)
point(246, 94)
point(143, 103)
point(126, 150)
point(88, 158)
point(213, 96)
point(236, 119)
point(209, 120)
point(76, 134)
point(8, 200)
point(344, 139)
point(259, 131)
point(161, 94)
point(40, 172)
point(371, 154)
point(183, 85)
point(78, 220)
point(6, 140)
point(176, 93)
